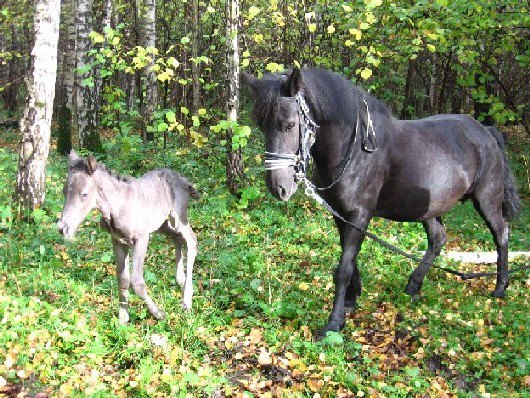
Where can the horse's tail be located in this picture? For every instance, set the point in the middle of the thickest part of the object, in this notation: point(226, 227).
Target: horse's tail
point(511, 205)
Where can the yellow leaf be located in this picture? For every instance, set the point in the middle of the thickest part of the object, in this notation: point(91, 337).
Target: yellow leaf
point(312, 27)
point(331, 29)
point(357, 33)
point(366, 73)
point(303, 286)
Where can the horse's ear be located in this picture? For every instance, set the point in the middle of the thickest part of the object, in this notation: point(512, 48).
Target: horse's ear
point(248, 79)
point(251, 81)
point(91, 164)
point(294, 82)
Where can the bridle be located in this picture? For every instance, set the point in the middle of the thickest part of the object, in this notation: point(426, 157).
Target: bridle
point(306, 133)
point(300, 162)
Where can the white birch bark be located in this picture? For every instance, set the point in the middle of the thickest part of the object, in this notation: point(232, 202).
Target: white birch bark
point(35, 124)
point(147, 11)
point(234, 165)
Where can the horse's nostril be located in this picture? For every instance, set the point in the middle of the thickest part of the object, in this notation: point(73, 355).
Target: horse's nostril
point(60, 227)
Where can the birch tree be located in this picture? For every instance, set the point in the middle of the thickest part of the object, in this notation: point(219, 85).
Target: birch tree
point(147, 10)
point(84, 87)
point(234, 158)
point(35, 124)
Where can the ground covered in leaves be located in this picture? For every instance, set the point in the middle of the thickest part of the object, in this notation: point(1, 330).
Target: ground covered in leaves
point(263, 285)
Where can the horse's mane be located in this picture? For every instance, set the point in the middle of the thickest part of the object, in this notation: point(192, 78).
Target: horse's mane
point(81, 165)
point(330, 96)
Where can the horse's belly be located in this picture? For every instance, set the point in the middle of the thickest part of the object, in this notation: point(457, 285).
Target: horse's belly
point(403, 202)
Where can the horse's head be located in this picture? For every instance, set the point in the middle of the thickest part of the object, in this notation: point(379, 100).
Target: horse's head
point(80, 193)
point(277, 114)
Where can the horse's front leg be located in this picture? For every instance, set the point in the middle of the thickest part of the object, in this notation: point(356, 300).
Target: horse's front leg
point(137, 276)
point(121, 252)
point(351, 240)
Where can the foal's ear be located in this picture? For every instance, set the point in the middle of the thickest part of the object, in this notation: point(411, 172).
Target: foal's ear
point(294, 82)
point(72, 157)
point(91, 164)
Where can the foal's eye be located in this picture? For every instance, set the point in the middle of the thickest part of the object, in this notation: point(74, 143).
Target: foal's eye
point(290, 126)
point(84, 195)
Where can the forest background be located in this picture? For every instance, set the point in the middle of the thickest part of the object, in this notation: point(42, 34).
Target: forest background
point(144, 84)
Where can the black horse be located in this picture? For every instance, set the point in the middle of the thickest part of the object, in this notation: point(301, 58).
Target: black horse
point(368, 163)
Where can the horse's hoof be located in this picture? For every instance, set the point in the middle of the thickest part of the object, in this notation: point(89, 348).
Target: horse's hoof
point(499, 293)
point(415, 298)
point(330, 327)
point(350, 309)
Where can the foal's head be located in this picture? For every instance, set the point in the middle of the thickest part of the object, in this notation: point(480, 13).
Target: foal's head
point(276, 112)
point(79, 192)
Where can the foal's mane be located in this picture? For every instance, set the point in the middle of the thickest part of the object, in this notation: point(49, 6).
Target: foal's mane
point(330, 96)
point(82, 165)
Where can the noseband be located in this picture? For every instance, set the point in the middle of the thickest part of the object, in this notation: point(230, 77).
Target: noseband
point(300, 160)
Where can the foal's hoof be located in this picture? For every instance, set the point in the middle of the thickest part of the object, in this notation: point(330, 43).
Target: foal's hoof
point(159, 315)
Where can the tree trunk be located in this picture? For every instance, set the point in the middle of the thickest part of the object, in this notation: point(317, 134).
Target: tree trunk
point(65, 90)
point(196, 88)
point(84, 87)
point(234, 159)
point(147, 12)
point(35, 124)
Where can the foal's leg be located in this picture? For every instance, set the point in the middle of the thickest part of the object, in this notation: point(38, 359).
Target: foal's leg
point(137, 276)
point(180, 234)
point(351, 240)
point(191, 252)
point(121, 252)
point(436, 240)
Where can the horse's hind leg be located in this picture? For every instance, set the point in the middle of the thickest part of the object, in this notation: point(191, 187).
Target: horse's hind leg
point(489, 206)
point(124, 279)
point(137, 276)
point(436, 240)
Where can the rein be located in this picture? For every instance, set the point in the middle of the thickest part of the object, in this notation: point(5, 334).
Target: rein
point(300, 161)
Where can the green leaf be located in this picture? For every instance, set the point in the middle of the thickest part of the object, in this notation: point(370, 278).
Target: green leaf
point(171, 117)
point(162, 126)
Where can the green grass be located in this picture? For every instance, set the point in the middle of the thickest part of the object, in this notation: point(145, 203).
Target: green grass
point(263, 285)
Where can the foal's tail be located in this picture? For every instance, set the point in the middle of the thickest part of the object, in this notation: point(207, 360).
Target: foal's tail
point(511, 205)
point(193, 192)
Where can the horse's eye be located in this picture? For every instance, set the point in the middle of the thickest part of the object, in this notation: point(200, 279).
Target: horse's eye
point(290, 126)
point(84, 195)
